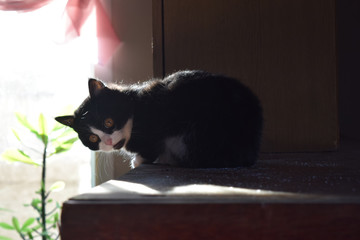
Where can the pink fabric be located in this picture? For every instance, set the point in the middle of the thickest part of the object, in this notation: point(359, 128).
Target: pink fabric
point(78, 12)
point(25, 5)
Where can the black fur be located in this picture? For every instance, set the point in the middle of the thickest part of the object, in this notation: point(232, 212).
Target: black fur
point(219, 118)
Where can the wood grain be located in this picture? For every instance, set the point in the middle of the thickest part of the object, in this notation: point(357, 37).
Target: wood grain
point(209, 221)
point(285, 196)
point(158, 35)
point(283, 50)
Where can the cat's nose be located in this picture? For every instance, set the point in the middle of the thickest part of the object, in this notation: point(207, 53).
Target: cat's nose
point(108, 141)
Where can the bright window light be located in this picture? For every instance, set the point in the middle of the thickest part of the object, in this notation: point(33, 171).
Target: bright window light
point(41, 74)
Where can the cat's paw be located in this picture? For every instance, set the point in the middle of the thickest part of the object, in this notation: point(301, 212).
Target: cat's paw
point(137, 161)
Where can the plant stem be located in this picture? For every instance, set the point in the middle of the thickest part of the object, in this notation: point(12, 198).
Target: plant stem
point(43, 195)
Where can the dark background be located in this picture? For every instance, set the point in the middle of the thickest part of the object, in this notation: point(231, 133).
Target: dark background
point(348, 50)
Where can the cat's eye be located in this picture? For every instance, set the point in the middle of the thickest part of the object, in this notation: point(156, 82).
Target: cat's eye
point(108, 123)
point(93, 138)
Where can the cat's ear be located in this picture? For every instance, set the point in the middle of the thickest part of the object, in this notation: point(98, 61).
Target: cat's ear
point(66, 120)
point(95, 86)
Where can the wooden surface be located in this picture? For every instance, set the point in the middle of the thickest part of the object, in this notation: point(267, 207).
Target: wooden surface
point(283, 50)
point(285, 196)
point(90, 220)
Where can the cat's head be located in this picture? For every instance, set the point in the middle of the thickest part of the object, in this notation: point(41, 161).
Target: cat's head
point(104, 120)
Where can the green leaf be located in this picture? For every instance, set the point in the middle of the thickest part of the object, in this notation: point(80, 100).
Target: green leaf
point(16, 134)
point(5, 210)
point(4, 238)
point(68, 143)
point(56, 217)
point(16, 224)
point(57, 127)
point(30, 235)
point(24, 121)
point(43, 128)
point(60, 150)
point(64, 141)
point(37, 227)
point(42, 124)
point(16, 155)
point(65, 146)
point(35, 202)
point(57, 186)
point(67, 132)
point(6, 226)
point(27, 223)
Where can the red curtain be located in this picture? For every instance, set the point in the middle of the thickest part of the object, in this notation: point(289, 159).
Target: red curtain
point(76, 14)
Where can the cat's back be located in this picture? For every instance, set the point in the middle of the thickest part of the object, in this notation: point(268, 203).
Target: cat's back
point(204, 91)
point(193, 83)
point(204, 83)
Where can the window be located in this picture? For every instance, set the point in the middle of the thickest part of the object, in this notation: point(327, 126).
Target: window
point(41, 74)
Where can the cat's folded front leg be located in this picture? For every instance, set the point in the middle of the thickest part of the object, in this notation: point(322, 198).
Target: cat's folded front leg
point(137, 161)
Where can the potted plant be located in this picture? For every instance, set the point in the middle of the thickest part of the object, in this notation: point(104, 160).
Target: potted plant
point(57, 140)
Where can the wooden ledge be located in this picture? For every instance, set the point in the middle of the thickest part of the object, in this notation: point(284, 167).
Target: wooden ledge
point(301, 195)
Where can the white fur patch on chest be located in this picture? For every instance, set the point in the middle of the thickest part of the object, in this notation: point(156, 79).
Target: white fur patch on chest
point(175, 149)
point(176, 145)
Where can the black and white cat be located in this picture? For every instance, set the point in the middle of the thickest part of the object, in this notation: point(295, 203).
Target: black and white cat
point(188, 119)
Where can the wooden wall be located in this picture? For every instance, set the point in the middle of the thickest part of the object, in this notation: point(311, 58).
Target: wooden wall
point(284, 50)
